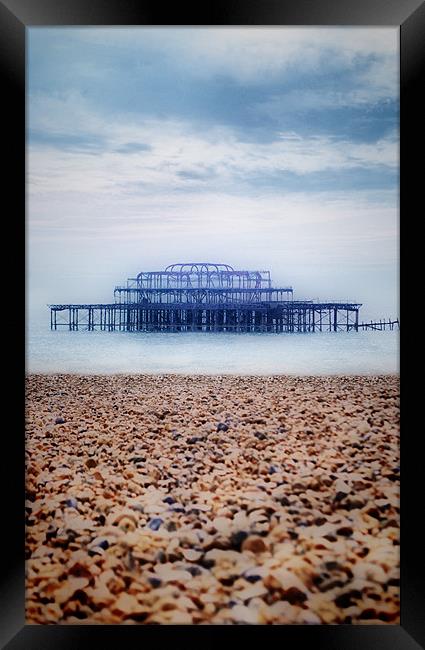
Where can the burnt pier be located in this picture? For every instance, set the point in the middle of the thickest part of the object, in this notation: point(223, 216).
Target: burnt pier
point(205, 297)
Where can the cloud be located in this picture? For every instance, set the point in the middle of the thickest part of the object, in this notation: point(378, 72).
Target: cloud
point(362, 62)
point(133, 147)
point(150, 155)
point(249, 54)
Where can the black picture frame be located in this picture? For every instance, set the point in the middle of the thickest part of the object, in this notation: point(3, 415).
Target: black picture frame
point(15, 17)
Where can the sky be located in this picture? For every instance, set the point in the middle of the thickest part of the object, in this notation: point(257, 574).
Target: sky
point(263, 148)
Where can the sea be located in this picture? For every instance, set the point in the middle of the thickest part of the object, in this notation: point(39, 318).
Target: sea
point(326, 353)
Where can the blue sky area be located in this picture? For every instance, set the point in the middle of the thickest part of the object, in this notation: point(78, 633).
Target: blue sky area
point(258, 147)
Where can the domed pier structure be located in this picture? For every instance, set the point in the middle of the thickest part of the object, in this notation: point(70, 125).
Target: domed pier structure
point(206, 297)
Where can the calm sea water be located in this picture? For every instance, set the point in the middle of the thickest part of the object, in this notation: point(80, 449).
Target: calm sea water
point(211, 353)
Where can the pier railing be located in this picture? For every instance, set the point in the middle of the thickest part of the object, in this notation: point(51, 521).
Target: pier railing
point(381, 325)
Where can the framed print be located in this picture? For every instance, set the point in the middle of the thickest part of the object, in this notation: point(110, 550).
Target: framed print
point(208, 445)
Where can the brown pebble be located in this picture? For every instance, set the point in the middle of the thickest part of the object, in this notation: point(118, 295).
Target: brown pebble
point(254, 544)
point(294, 596)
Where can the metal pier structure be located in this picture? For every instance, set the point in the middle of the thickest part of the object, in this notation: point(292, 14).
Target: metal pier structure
point(206, 297)
point(381, 325)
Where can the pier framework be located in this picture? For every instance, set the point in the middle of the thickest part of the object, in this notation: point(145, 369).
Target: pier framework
point(206, 297)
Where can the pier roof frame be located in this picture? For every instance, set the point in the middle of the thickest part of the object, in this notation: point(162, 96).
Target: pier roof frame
point(202, 274)
point(198, 267)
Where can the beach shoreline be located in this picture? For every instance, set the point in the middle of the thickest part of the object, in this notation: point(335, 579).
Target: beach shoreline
point(194, 499)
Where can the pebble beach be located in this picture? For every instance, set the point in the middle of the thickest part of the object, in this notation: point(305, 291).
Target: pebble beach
point(169, 499)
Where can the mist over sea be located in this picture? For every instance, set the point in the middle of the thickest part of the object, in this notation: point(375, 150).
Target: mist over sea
point(341, 353)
